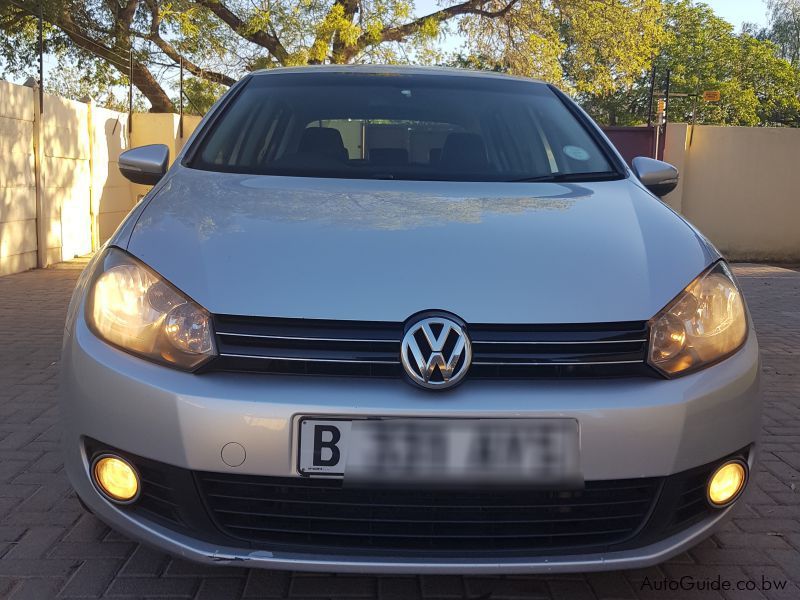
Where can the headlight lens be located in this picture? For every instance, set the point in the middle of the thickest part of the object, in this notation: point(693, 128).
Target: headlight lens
point(704, 324)
point(130, 306)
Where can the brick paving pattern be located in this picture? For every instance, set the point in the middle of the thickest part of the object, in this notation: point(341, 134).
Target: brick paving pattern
point(50, 548)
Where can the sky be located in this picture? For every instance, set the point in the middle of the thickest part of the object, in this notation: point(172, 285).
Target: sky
point(737, 12)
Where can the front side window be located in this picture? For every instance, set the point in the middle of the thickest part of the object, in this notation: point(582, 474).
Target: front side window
point(397, 126)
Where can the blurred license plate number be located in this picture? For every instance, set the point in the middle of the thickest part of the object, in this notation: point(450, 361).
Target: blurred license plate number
point(441, 450)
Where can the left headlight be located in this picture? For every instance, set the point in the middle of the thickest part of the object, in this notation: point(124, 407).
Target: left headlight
point(704, 324)
point(133, 308)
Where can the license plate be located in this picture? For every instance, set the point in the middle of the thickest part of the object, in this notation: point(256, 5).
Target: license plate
point(431, 451)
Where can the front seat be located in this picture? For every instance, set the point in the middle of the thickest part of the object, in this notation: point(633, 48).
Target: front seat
point(464, 152)
point(326, 141)
point(388, 156)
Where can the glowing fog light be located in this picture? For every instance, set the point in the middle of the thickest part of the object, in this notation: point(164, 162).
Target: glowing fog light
point(116, 478)
point(727, 483)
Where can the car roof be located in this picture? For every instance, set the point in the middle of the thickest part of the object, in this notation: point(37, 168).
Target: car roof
point(394, 69)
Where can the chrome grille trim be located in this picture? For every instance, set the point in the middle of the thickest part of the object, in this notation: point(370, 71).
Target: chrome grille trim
point(556, 343)
point(555, 363)
point(303, 338)
point(321, 360)
point(372, 349)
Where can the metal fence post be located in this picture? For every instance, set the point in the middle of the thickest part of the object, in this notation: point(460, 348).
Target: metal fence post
point(652, 91)
point(180, 105)
point(41, 56)
point(130, 92)
point(41, 229)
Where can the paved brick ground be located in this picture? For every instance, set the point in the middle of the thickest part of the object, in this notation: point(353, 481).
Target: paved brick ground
point(50, 549)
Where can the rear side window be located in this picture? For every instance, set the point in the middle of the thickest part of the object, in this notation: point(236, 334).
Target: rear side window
point(397, 126)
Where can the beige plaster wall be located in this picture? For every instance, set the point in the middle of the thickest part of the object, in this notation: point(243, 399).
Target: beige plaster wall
point(740, 187)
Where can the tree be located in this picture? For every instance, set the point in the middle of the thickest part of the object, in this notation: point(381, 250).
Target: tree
point(587, 45)
point(784, 28)
point(702, 52)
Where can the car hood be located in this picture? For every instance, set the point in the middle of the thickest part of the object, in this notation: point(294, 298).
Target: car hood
point(384, 250)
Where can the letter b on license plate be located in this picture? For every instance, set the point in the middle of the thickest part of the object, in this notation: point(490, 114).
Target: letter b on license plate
point(323, 446)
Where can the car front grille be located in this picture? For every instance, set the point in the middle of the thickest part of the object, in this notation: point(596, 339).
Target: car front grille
point(691, 499)
point(297, 515)
point(372, 349)
point(323, 513)
point(158, 499)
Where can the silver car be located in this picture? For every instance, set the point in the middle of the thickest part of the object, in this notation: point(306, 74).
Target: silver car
point(380, 319)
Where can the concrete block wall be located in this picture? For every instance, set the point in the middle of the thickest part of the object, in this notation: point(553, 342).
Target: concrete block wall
point(17, 179)
point(112, 194)
point(81, 194)
point(66, 178)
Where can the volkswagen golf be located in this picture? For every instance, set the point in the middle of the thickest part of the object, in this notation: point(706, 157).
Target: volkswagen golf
point(397, 319)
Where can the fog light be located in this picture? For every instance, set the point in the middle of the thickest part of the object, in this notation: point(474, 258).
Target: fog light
point(727, 483)
point(116, 478)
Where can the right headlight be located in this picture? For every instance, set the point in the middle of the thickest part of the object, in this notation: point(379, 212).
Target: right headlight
point(704, 324)
point(132, 307)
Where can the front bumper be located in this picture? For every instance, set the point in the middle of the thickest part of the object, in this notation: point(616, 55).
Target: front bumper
point(630, 428)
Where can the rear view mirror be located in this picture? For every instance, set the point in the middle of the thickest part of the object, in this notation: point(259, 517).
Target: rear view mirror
point(656, 175)
point(145, 164)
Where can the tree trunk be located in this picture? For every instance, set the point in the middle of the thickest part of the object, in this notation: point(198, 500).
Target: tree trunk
point(147, 84)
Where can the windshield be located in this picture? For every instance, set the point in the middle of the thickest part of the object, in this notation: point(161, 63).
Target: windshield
point(399, 126)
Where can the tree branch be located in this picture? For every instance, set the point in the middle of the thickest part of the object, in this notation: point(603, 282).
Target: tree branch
point(170, 50)
point(125, 14)
point(260, 38)
point(193, 68)
point(350, 7)
point(123, 17)
point(471, 7)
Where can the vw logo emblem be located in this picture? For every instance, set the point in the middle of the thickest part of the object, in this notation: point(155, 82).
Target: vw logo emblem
point(436, 353)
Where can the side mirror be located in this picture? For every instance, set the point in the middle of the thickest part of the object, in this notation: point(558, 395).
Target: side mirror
point(656, 175)
point(145, 164)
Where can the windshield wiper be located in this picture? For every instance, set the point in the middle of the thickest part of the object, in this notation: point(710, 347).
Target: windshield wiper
point(560, 177)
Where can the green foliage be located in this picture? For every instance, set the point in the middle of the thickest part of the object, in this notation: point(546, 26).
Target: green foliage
point(784, 28)
point(199, 95)
point(19, 39)
point(702, 52)
point(476, 62)
point(592, 46)
point(17, 49)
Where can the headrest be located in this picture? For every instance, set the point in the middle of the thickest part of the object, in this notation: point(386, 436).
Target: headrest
point(464, 152)
point(323, 140)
